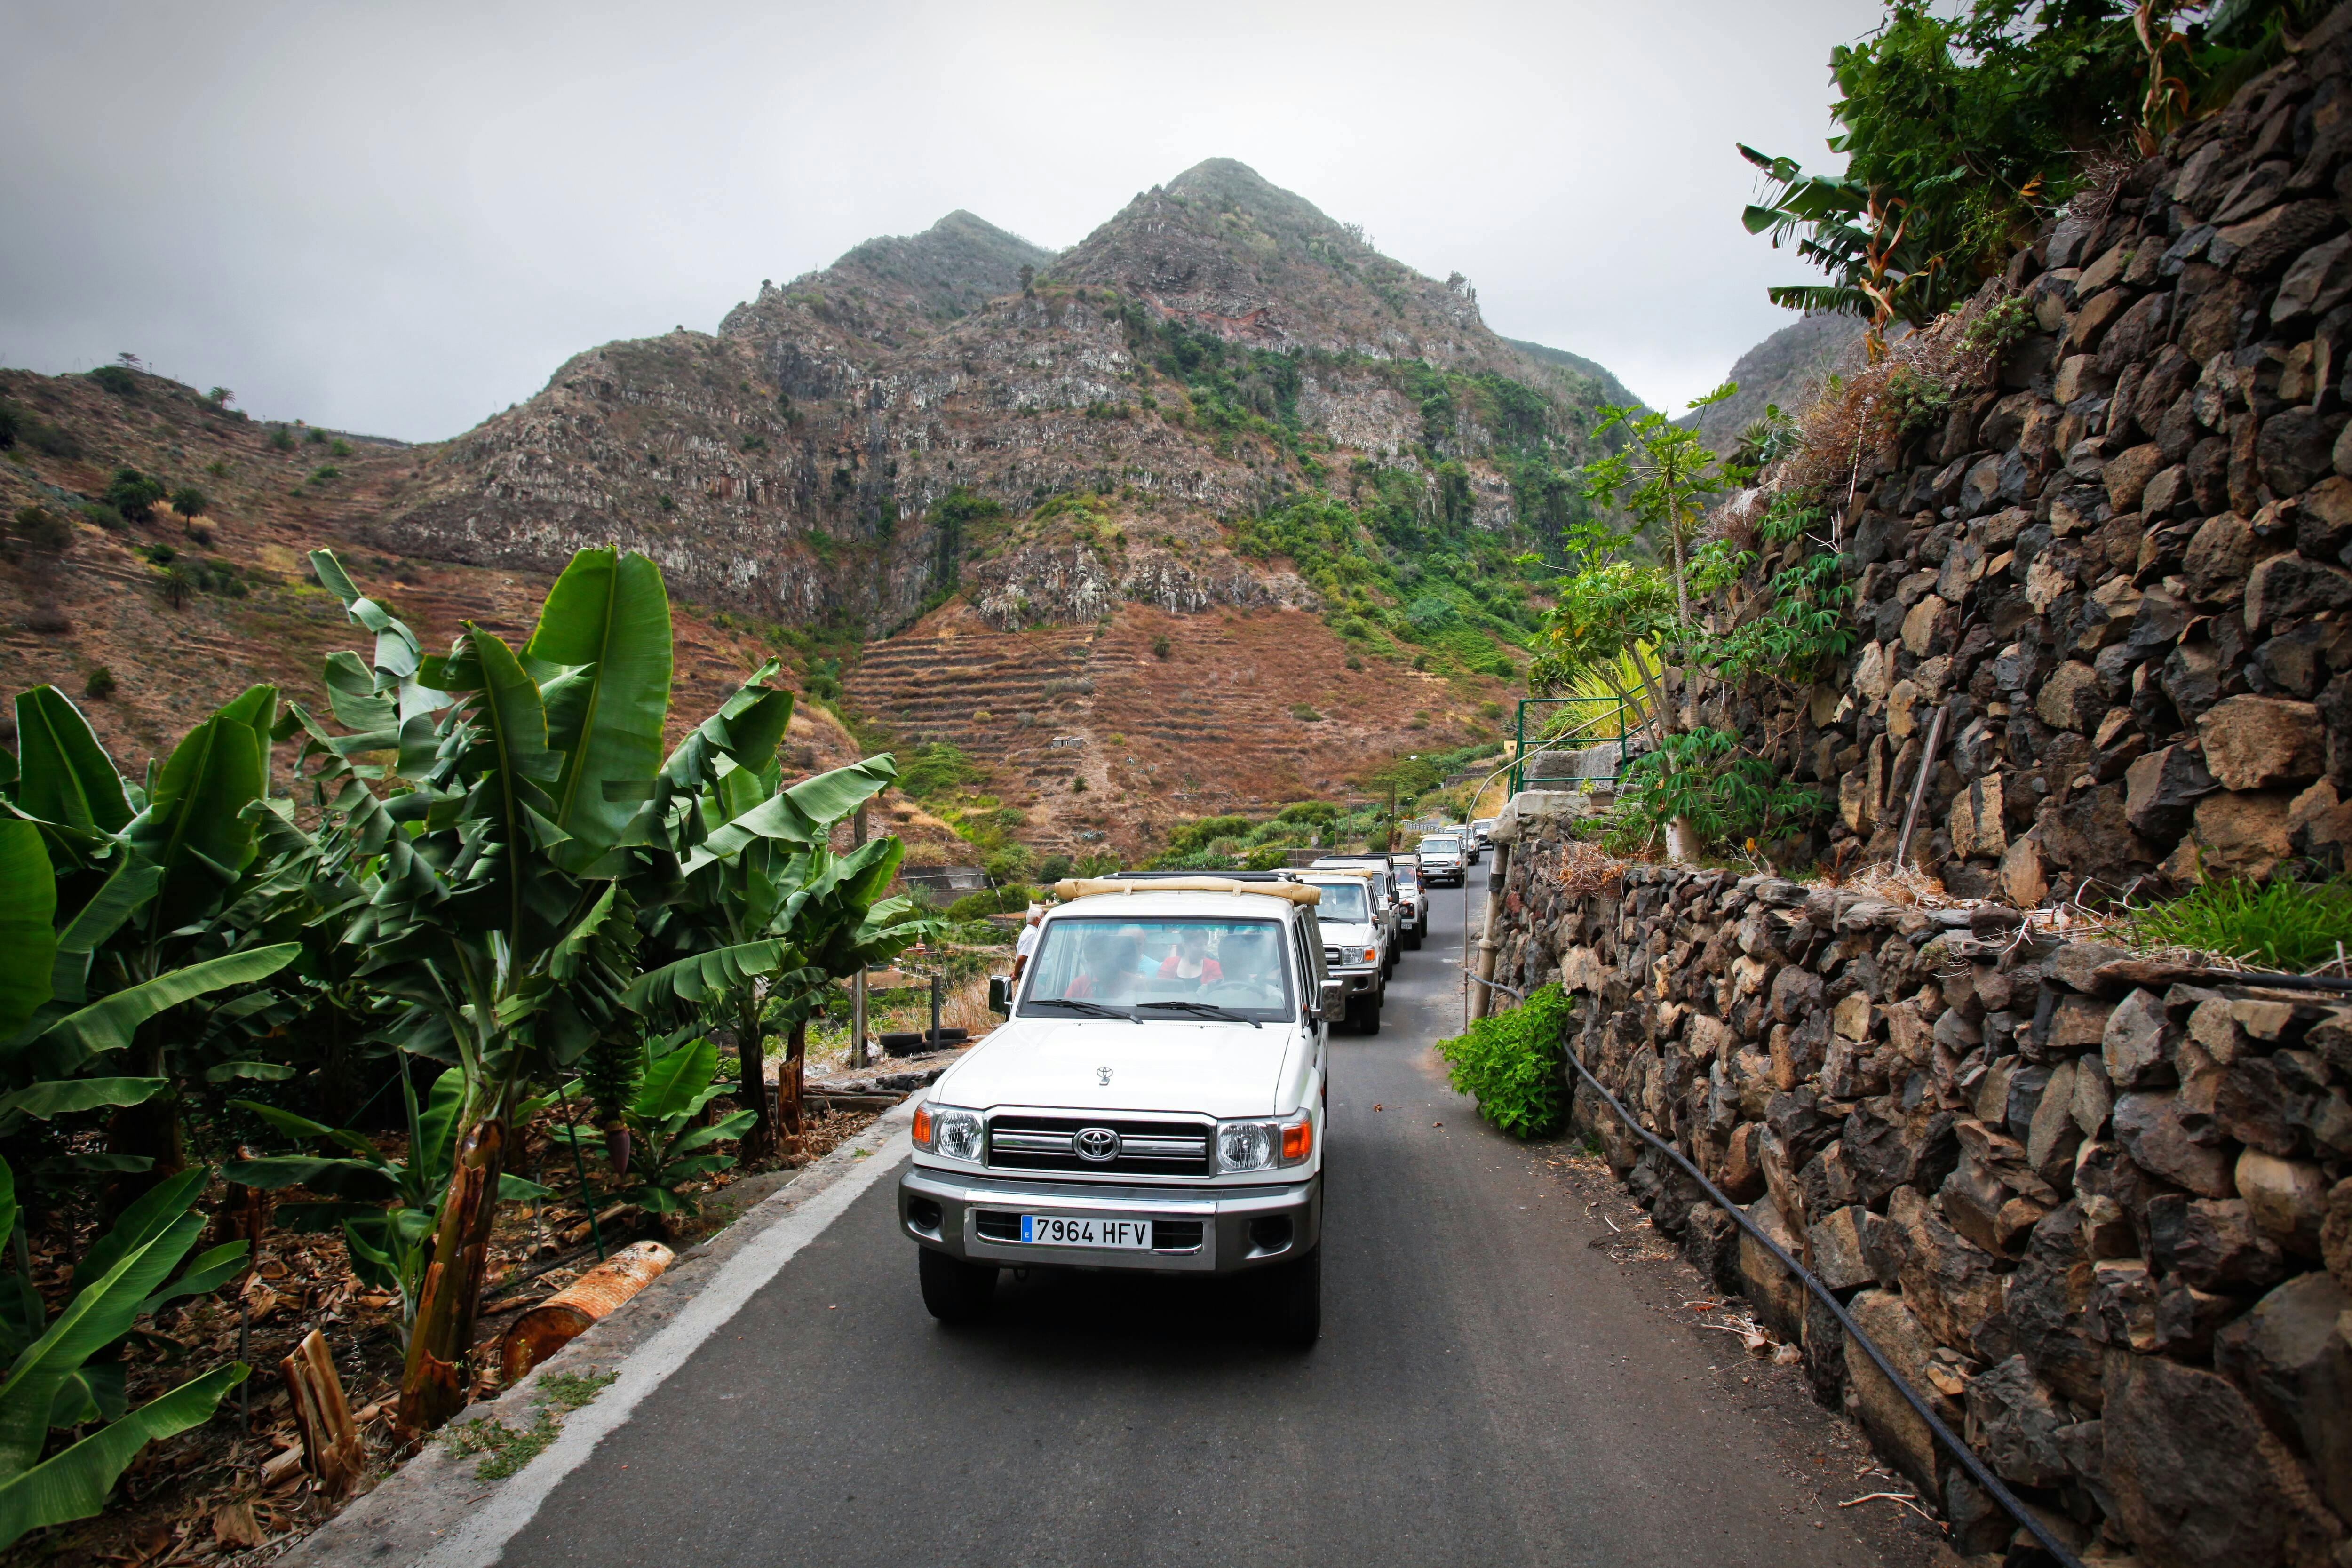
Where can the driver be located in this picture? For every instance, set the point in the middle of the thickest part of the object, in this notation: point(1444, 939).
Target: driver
point(1255, 965)
point(1191, 959)
point(1113, 969)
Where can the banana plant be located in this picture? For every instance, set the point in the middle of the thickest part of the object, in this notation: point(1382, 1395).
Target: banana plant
point(384, 1207)
point(51, 1037)
point(58, 1375)
point(502, 864)
point(670, 1149)
point(725, 928)
point(145, 883)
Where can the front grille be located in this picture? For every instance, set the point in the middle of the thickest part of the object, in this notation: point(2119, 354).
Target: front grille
point(1146, 1148)
point(1330, 955)
point(1166, 1235)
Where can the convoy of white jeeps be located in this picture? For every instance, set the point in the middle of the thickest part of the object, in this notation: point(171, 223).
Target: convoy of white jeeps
point(1154, 1100)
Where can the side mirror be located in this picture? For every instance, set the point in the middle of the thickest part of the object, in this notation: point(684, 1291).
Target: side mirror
point(1335, 1002)
point(1000, 995)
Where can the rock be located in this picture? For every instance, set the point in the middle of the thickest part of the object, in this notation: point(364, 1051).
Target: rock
point(2161, 792)
point(2295, 449)
point(2073, 699)
point(1743, 1164)
point(2044, 1300)
point(2319, 280)
point(2287, 587)
point(2335, 1232)
point(2075, 964)
point(2242, 836)
point(2095, 1097)
point(2137, 1047)
point(2255, 743)
point(1779, 1300)
point(1842, 1244)
point(2075, 1024)
point(2051, 1138)
point(1894, 1428)
point(1928, 628)
point(2211, 1244)
point(2127, 475)
point(2266, 241)
point(2196, 1479)
point(1951, 1284)
point(2287, 1198)
point(1711, 1241)
point(1796, 993)
point(2135, 332)
point(2013, 1423)
point(2220, 555)
point(2291, 1357)
point(2148, 1125)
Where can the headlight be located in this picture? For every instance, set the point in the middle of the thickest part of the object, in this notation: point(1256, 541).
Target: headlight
point(950, 1134)
point(1262, 1145)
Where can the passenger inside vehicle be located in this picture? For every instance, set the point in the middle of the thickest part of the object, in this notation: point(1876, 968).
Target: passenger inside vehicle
point(1128, 965)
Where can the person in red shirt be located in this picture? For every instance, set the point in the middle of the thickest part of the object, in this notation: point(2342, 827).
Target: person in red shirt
point(1191, 959)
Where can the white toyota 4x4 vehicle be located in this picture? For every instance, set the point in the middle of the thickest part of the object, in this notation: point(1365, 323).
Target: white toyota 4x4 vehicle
point(1155, 1101)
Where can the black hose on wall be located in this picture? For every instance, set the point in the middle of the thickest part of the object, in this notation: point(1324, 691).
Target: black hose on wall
point(1979, 1471)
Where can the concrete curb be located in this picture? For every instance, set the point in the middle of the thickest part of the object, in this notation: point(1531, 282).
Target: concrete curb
point(433, 1507)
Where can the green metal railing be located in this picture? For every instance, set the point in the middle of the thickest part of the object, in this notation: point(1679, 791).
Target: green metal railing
point(1599, 712)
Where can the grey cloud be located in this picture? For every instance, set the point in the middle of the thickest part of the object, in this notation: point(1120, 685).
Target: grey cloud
point(399, 219)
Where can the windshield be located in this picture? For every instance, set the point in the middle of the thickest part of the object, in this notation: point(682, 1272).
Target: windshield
point(1344, 903)
point(1408, 876)
point(1441, 846)
point(1168, 968)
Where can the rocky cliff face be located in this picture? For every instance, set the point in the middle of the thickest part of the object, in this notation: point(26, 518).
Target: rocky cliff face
point(792, 464)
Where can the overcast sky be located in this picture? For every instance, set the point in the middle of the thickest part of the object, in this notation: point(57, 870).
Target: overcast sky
point(400, 218)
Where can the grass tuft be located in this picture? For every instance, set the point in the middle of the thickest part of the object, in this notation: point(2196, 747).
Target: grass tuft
point(2284, 925)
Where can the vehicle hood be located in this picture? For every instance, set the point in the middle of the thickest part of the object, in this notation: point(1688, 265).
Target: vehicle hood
point(1337, 935)
point(1202, 1065)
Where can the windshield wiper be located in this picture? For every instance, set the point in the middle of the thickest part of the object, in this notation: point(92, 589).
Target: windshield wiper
point(1091, 1009)
point(1206, 1010)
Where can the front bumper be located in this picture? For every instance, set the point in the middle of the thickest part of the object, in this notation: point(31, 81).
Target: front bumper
point(1240, 1228)
point(1358, 982)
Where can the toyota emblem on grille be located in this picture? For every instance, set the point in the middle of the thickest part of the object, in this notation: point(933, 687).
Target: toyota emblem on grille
point(1097, 1144)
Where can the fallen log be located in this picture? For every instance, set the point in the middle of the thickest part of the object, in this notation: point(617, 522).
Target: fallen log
point(565, 1316)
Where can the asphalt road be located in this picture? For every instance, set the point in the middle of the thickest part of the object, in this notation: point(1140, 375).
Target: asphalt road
point(1488, 1390)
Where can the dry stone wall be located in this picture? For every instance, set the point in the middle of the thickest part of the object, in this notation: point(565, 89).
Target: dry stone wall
point(2099, 1213)
point(2099, 1216)
point(2119, 568)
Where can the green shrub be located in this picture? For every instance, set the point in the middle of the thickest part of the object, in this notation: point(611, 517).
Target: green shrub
point(1512, 1064)
point(101, 684)
point(116, 379)
point(1053, 868)
point(1266, 857)
point(282, 440)
point(934, 770)
point(1160, 647)
point(1190, 836)
point(134, 494)
point(2284, 925)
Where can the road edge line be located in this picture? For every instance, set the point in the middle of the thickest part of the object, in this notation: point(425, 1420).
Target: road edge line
point(506, 1515)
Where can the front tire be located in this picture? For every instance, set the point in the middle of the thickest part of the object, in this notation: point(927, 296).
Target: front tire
point(1295, 1301)
point(955, 1292)
point(1367, 1022)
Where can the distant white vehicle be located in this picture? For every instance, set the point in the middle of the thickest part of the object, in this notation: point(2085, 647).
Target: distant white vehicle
point(1443, 860)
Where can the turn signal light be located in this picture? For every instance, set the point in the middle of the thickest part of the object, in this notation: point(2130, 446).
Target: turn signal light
point(922, 1127)
point(1371, 955)
point(1299, 1141)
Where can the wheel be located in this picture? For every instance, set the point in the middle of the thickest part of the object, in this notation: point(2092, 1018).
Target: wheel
point(955, 1292)
point(1412, 938)
point(1367, 1022)
point(1294, 1298)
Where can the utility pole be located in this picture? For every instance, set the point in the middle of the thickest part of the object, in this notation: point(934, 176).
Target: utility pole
point(858, 980)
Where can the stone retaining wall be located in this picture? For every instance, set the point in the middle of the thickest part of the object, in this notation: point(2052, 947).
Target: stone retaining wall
point(2119, 563)
point(2099, 1216)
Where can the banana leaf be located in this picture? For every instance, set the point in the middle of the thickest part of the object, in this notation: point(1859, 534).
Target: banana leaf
point(65, 1046)
point(74, 1484)
point(65, 776)
point(195, 828)
point(602, 655)
point(29, 897)
point(801, 815)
